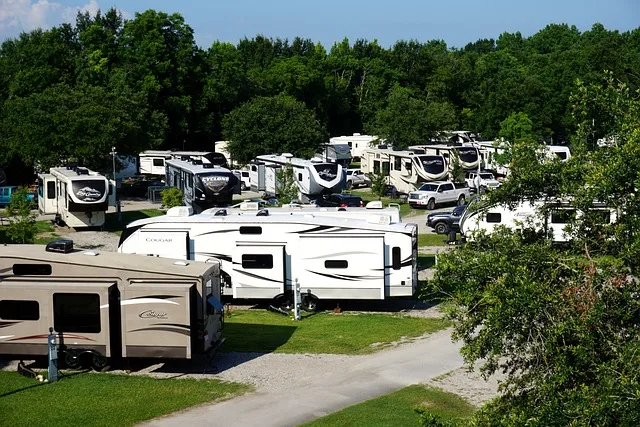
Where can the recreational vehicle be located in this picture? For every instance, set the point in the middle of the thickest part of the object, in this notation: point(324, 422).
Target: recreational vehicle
point(336, 153)
point(205, 157)
point(356, 142)
point(313, 177)
point(466, 155)
point(203, 185)
point(552, 217)
point(78, 197)
point(407, 170)
point(151, 162)
point(262, 255)
point(106, 305)
point(373, 209)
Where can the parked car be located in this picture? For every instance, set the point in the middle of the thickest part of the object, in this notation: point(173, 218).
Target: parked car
point(340, 200)
point(7, 191)
point(357, 178)
point(482, 181)
point(444, 222)
point(438, 192)
point(243, 176)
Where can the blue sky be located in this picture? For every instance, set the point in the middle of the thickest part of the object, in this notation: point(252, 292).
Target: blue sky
point(456, 22)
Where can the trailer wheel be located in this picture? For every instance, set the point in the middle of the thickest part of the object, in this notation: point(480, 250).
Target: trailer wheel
point(309, 303)
point(431, 205)
point(285, 301)
point(99, 363)
point(72, 360)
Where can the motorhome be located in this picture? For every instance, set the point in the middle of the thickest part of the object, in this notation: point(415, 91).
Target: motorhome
point(406, 170)
point(78, 197)
point(313, 177)
point(356, 142)
point(553, 217)
point(203, 185)
point(373, 209)
point(106, 305)
point(262, 255)
point(466, 155)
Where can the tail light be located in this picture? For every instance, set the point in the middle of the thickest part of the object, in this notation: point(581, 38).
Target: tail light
point(343, 205)
point(361, 203)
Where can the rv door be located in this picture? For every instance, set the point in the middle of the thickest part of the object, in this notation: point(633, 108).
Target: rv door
point(259, 270)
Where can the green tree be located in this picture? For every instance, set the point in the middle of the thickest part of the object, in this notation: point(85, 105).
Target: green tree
point(563, 323)
point(378, 184)
point(268, 125)
point(22, 227)
point(171, 197)
point(287, 190)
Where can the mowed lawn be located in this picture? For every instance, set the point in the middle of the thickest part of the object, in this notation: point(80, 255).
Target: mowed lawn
point(397, 409)
point(92, 399)
point(324, 332)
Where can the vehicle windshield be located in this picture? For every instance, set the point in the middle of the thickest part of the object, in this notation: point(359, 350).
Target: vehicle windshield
point(429, 187)
point(486, 176)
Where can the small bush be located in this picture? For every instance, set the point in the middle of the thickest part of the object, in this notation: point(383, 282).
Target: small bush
point(22, 228)
point(171, 197)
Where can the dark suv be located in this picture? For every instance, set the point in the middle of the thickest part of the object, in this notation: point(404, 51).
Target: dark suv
point(443, 222)
point(340, 200)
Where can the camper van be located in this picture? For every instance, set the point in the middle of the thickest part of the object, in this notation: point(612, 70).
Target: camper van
point(313, 177)
point(549, 216)
point(407, 170)
point(203, 185)
point(263, 255)
point(106, 305)
point(78, 197)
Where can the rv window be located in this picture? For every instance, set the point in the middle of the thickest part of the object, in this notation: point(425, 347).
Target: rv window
point(336, 263)
point(19, 310)
point(51, 190)
point(250, 230)
point(562, 216)
point(397, 163)
point(32, 269)
point(395, 258)
point(299, 177)
point(158, 162)
point(494, 217)
point(261, 261)
point(76, 313)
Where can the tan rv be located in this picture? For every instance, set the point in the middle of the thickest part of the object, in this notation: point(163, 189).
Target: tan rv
point(106, 305)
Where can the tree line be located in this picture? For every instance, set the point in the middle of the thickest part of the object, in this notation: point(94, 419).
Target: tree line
point(76, 90)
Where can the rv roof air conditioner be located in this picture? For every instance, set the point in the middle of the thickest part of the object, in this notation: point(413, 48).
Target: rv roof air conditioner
point(249, 206)
point(62, 246)
point(374, 204)
point(287, 155)
point(180, 211)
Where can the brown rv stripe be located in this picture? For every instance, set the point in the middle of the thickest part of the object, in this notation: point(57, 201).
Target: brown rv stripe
point(156, 296)
point(164, 329)
point(177, 325)
point(47, 336)
point(5, 324)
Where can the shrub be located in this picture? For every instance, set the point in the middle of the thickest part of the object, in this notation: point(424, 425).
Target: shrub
point(22, 227)
point(171, 197)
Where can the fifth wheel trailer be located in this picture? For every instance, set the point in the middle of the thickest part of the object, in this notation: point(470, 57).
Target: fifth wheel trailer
point(263, 255)
point(106, 305)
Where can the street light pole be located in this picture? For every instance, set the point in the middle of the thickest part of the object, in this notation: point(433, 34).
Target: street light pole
point(115, 184)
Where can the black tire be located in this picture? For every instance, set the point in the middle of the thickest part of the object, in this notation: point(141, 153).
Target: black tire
point(71, 360)
point(349, 185)
point(285, 301)
point(243, 187)
point(461, 200)
point(431, 205)
point(309, 303)
point(441, 228)
point(99, 363)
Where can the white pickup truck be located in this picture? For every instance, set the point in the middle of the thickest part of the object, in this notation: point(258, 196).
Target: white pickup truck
point(439, 192)
point(482, 181)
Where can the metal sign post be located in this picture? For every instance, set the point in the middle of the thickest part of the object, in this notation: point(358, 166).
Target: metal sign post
point(53, 356)
point(297, 300)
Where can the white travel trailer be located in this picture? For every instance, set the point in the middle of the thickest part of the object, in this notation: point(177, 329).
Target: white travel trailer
point(262, 256)
point(407, 170)
point(203, 185)
point(373, 209)
point(356, 142)
point(106, 305)
point(313, 177)
point(78, 197)
point(550, 216)
point(562, 151)
point(467, 155)
point(151, 162)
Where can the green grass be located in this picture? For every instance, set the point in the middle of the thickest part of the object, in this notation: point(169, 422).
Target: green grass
point(397, 409)
point(102, 399)
point(347, 333)
point(432, 240)
point(114, 226)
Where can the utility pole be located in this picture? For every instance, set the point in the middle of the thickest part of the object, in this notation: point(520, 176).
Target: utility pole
point(115, 184)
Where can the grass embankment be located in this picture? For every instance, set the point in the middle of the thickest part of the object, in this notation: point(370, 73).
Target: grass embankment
point(102, 399)
point(397, 409)
point(347, 333)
